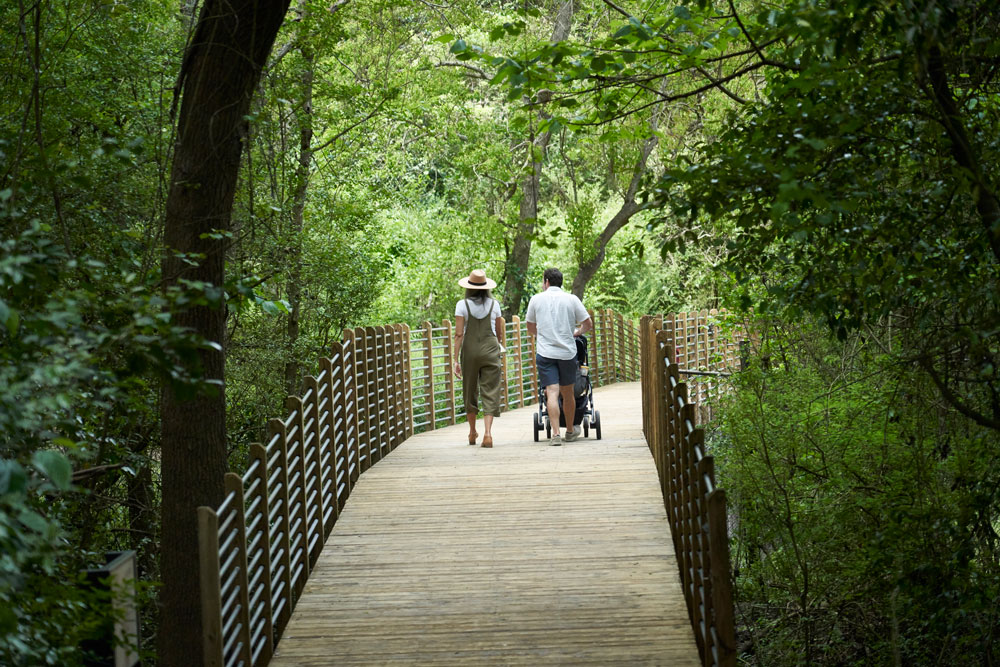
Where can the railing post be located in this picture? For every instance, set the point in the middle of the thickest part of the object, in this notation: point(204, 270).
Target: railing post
point(633, 345)
point(234, 485)
point(407, 380)
point(259, 533)
point(595, 351)
point(330, 433)
point(697, 469)
point(298, 532)
point(622, 365)
point(398, 419)
point(361, 395)
point(281, 550)
point(395, 389)
point(352, 414)
point(382, 388)
point(532, 353)
point(312, 471)
point(429, 328)
point(450, 357)
point(516, 322)
point(374, 452)
point(211, 586)
point(686, 484)
point(343, 424)
point(504, 376)
point(722, 586)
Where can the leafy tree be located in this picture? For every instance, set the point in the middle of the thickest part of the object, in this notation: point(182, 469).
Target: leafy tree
point(219, 75)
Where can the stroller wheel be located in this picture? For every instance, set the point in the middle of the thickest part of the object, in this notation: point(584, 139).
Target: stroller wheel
point(597, 423)
point(548, 429)
point(586, 427)
point(537, 424)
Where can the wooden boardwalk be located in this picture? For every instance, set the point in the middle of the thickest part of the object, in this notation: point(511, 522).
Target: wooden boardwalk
point(523, 554)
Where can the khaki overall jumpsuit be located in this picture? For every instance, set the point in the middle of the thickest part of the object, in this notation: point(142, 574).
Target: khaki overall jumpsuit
point(480, 358)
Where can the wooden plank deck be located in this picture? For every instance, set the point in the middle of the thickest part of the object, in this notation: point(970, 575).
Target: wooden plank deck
point(523, 554)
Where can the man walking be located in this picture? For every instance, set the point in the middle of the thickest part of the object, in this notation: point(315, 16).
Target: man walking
point(554, 317)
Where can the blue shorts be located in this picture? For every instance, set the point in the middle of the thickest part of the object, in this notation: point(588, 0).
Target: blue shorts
point(555, 371)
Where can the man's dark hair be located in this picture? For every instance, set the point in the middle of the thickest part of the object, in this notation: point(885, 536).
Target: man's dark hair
point(554, 276)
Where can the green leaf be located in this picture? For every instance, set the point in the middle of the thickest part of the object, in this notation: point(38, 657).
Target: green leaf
point(55, 466)
point(459, 46)
point(13, 479)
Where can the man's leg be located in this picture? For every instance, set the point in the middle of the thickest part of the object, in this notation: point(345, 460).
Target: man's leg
point(569, 405)
point(552, 405)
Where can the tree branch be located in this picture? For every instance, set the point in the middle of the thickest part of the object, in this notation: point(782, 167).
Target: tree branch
point(480, 74)
point(955, 402)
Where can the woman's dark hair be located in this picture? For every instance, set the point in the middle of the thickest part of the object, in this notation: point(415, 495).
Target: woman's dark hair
point(478, 294)
point(554, 276)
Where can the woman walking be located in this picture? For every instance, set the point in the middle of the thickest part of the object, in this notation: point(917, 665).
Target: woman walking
point(476, 321)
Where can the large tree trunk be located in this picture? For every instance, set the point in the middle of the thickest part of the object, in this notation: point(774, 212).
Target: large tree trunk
point(516, 269)
point(218, 77)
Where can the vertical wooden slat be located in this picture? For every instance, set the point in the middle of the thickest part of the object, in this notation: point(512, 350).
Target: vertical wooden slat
point(687, 502)
point(428, 327)
point(313, 473)
point(722, 587)
point(398, 390)
point(282, 538)
point(395, 391)
point(343, 421)
point(532, 354)
point(372, 358)
point(352, 426)
point(622, 365)
point(450, 356)
point(633, 340)
point(407, 343)
point(234, 485)
point(608, 320)
point(519, 356)
point(594, 350)
point(361, 396)
point(334, 425)
point(504, 377)
point(298, 533)
point(211, 586)
point(383, 380)
point(258, 454)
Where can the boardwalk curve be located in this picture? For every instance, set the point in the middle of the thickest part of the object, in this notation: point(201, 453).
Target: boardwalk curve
point(523, 554)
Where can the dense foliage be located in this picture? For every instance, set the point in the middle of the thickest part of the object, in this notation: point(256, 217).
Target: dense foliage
point(865, 508)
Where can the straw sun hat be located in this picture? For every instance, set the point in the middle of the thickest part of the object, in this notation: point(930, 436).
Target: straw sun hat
point(477, 280)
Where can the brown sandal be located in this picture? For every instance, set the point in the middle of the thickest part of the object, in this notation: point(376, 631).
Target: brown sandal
point(487, 441)
point(472, 438)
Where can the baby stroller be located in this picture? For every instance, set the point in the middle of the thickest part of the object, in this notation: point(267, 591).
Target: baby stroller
point(583, 391)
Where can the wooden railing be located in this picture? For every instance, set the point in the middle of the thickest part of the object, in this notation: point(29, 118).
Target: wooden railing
point(378, 387)
point(704, 354)
point(696, 508)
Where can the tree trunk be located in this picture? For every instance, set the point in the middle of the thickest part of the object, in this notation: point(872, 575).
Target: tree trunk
point(516, 270)
point(588, 268)
point(219, 74)
point(298, 214)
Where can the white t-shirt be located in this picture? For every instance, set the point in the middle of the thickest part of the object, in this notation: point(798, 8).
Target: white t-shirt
point(479, 311)
point(555, 314)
